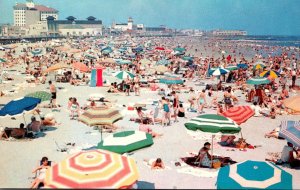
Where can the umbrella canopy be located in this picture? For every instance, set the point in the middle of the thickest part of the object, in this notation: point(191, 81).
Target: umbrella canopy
point(145, 62)
point(258, 81)
point(180, 49)
point(124, 74)
point(81, 67)
point(100, 116)
point(259, 65)
point(293, 103)
point(36, 51)
point(239, 114)
point(124, 62)
point(213, 123)
point(171, 80)
point(90, 56)
point(93, 169)
point(242, 66)
point(126, 141)
point(56, 67)
point(231, 67)
point(108, 60)
point(290, 130)
point(270, 73)
point(2, 60)
point(218, 71)
point(19, 106)
point(160, 68)
point(160, 48)
point(163, 62)
point(253, 175)
point(44, 96)
point(187, 58)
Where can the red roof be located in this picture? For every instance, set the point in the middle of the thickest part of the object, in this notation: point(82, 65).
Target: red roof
point(41, 8)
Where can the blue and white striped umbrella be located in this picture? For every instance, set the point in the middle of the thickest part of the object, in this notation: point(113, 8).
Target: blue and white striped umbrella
point(163, 62)
point(218, 71)
point(253, 175)
point(290, 130)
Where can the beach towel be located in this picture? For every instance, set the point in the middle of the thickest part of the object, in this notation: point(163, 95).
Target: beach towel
point(199, 172)
point(93, 78)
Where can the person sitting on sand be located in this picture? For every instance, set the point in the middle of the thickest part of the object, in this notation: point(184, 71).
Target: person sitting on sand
point(35, 125)
point(181, 111)
point(40, 179)
point(227, 140)
point(274, 133)
point(155, 164)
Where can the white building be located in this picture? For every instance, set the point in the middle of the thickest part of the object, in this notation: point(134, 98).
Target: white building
point(31, 13)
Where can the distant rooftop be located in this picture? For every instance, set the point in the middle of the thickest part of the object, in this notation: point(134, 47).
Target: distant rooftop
point(41, 8)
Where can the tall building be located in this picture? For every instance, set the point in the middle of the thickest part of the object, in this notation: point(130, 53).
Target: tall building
point(31, 13)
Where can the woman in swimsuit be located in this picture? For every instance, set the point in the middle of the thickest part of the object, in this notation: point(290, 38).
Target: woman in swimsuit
point(175, 104)
point(40, 179)
point(201, 101)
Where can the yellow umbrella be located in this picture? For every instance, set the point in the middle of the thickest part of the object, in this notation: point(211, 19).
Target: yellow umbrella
point(293, 103)
point(93, 169)
point(56, 67)
point(108, 60)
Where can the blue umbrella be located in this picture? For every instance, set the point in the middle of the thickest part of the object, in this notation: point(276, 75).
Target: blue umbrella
point(242, 66)
point(36, 51)
point(218, 71)
point(15, 107)
point(290, 130)
point(253, 175)
point(171, 80)
point(163, 62)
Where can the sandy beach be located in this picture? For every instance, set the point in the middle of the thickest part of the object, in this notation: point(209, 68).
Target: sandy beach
point(19, 157)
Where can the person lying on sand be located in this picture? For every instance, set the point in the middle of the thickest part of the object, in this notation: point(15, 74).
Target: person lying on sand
point(40, 179)
point(155, 164)
point(274, 133)
point(145, 127)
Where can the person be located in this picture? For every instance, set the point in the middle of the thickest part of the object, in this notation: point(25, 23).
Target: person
point(35, 125)
point(227, 98)
point(295, 158)
point(294, 77)
point(136, 86)
point(192, 99)
point(220, 110)
point(49, 120)
point(274, 133)
point(166, 111)
point(227, 140)
point(144, 126)
point(90, 105)
point(181, 111)
point(53, 94)
point(40, 179)
point(155, 164)
point(19, 133)
point(204, 158)
point(175, 104)
point(74, 109)
point(286, 154)
point(257, 109)
point(201, 100)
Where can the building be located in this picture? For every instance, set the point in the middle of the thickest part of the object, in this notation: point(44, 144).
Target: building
point(37, 29)
point(31, 13)
point(126, 27)
point(229, 33)
point(73, 27)
point(12, 31)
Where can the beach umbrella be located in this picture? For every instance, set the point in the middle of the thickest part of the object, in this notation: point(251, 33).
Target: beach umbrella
point(44, 96)
point(290, 130)
point(212, 123)
point(19, 106)
point(93, 169)
point(292, 103)
point(259, 65)
point(239, 114)
point(124, 74)
point(258, 81)
point(231, 67)
point(36, 51)
point(160, 68)
point(160, 48)
point(253, 175)
point(100, 116)
point(171, 80)
point(223, 52)
point(242, 66)
point(187, 58)
point(270, 73)
point(218, 71)
point(179, 49)
point(145, 62)
point(124, 62)
point(108, 60)
point(126, 141)
point(81, 67)
point(56, 67)
point(2, 60)
point(90, 56)
point(163, 62)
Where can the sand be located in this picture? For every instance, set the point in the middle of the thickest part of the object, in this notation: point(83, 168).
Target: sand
point(19, 158)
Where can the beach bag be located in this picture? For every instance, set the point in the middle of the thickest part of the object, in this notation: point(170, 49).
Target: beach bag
point(216, 164)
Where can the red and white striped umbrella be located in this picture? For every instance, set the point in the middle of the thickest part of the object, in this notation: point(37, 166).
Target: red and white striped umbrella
point(93, 169)
point(239, 114)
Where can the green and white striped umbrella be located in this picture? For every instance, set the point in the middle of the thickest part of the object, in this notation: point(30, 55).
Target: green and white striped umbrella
point(44, 96)
point(213, 123)
point(231, 67)
point(258, 81)
point(124, 74)
point(126, 141)
point(2, 60)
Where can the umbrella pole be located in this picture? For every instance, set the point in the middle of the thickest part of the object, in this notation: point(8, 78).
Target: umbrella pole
point(24, 119)
point(212, 149)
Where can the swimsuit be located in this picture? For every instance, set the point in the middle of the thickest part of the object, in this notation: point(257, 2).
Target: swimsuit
point(201, 101)
point(166, 108)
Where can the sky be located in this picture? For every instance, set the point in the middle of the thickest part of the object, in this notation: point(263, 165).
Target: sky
point(257, 17)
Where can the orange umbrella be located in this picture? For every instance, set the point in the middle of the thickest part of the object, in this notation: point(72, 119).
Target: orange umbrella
point(81, 67)
point(293, 103)
point(56, 67)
